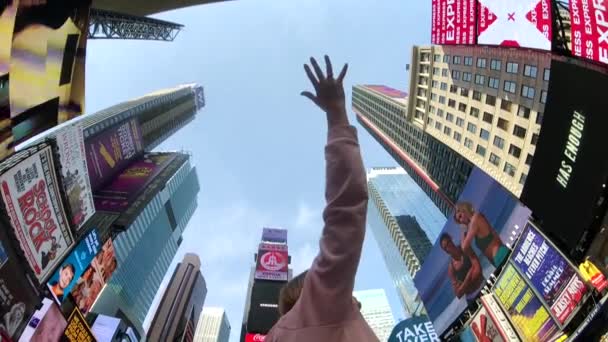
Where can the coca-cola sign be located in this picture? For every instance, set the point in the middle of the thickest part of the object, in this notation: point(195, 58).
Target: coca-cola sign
point(273, 262)
point(254, 337)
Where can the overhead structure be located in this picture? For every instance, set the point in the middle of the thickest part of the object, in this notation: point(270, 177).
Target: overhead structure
point(147, 7)
point(105, 24)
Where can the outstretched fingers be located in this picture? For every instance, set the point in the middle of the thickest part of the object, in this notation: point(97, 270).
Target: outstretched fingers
point(342, 73)
point(330, 71)
point(318, 71)
point(311, 77)
point(310, 96)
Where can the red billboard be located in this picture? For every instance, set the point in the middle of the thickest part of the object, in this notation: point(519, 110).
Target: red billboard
point(519, 23)
point(249, 337)
point(589, 28)
point(453, 22)
point(273, 261)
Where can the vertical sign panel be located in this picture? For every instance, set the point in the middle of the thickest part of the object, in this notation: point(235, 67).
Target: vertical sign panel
point(453, 22)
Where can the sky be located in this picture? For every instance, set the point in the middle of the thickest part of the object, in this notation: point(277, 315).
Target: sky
point(258, 145)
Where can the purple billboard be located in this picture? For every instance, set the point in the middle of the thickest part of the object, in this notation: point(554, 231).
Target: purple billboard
point(112, 150)
point(124, 189)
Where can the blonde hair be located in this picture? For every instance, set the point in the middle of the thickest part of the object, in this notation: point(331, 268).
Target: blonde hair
point(465, 206)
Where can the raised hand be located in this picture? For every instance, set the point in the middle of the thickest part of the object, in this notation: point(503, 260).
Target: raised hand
point(329, 91)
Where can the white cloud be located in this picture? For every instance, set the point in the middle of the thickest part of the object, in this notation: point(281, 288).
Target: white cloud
point(306, 216)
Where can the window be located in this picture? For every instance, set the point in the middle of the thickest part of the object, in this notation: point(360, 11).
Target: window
point(509, 87)
point(453, 89)
point(480, 79)
point(438, 125)
point(522, 179)
point(547, 74)
point(539, 118)
point(471, 127)
point(457, 136)
point(476, 95)
point(495, 64)
point(503, 124)
point(452, 103)
point(468, 60)
point(459, 122)
point(464, 92)
point(543, 96)
point(487, 117)
point(491, 100)
point(462, 107)
point(481, 62)
point(436, 58)
point(456, 74)
point(499, 142)
point(431, 109)
point(433, 97)
point(528, 92)
point(514, 151)
point(483, 134)
point(447, 130)
point(534, 139)
point(457, 59)
point(523, 112)
point(449, 117)
point(509, 169)
point(442, 99)
point(468, 143)
point(467, 76)
point(435, 71)
point(444, 86)
point(446, 58)
point(506, 105)
point(429, 121)
point(519, 131)
point(435, 84)
point(493, 82)
point(474, 112)
point(529, 159)
point(481, 150)
point(512, 68)
point(444, 72)
point(440, 113)
point(494, 159)
point(530, 71)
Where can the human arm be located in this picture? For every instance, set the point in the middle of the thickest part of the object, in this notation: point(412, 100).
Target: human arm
point(469, 234)
point(453, 280)
point(473, 275)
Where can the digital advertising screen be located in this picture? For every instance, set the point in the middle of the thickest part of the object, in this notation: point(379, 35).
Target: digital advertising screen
point(47, 324)
point(77, 329)
point(277, 235)
point(588, 29)
point(517, 23)
point(417, 328)
point(453, 22)
point(489, 324)
point(273, 262)
point(264, 308)
point(475, 241)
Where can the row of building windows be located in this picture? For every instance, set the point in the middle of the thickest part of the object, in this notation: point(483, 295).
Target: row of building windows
point(495, 64)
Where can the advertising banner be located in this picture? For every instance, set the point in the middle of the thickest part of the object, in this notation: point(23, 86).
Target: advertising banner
point(518, 23)
point(110, 151)
point(453, 22)
point(489, 324)
point(78, 329)
point(525, 309)
point(277, 235)
point(568, 168)
point(65, 277)
point(254, 337)
point(128, 184)
point(47, 324)
point(593, 275)
point(32, 199)
point(549, 273)
point(94, 278)
point(414, 329)
point(589, 30)
point(473, 242)
point(273, 262)
point(264, 308)
point(75, 175)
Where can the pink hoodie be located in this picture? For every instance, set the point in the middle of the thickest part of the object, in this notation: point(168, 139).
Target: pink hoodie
point(325, 310)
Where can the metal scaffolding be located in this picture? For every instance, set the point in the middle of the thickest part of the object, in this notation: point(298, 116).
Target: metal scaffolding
point(112, 25)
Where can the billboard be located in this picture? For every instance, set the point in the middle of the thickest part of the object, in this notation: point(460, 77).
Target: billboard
point(94, 278)
point(78, 329)
point(549, 273)
point(47, 324)
point(588, 27)
point(75, 175)
point(273, 262)
point(110, 151)
point(388, 91)
point(489, 324)
point(519, 23)
point(473, 242)
point(42, 53)
point(568, 166)
point(453, 22)
point(130, 182)
point(264, 307)
point(414, 329)
point(277, 235)
point(61, 282)
point(32, 199)
point(523, 306)
point(254, 337)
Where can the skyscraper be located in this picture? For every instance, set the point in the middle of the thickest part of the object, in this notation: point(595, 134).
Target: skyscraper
point(376, 311)
point(405, 223)
point(181, 305)
point(213, 326)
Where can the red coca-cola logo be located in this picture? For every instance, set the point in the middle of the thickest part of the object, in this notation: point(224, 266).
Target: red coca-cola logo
point(254, 337)
point(273, 261)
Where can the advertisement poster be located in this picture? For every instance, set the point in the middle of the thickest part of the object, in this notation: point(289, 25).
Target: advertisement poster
point(249, 337)
point(277, 235)
point(589, 24)
point(110, 151)
point(32, 199)
point(489, 324)
point(549, 273)
point(73, 266)
point(38, 45)
point(126, 186)
point(518, 23)
point(453, 22)
point(94, 278)
point(527, 313)
point(77, 329)
point(273, 261)
point(264, 308)
point(414, 329)
point(75, 175)
point(475, 240)
point(47, 324)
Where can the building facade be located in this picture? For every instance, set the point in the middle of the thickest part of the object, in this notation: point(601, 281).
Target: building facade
point(213, 326)
point(405, 224)
point(376, 311)
point(485, 103)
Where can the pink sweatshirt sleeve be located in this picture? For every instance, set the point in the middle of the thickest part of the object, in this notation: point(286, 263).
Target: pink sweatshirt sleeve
point(327, 294)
